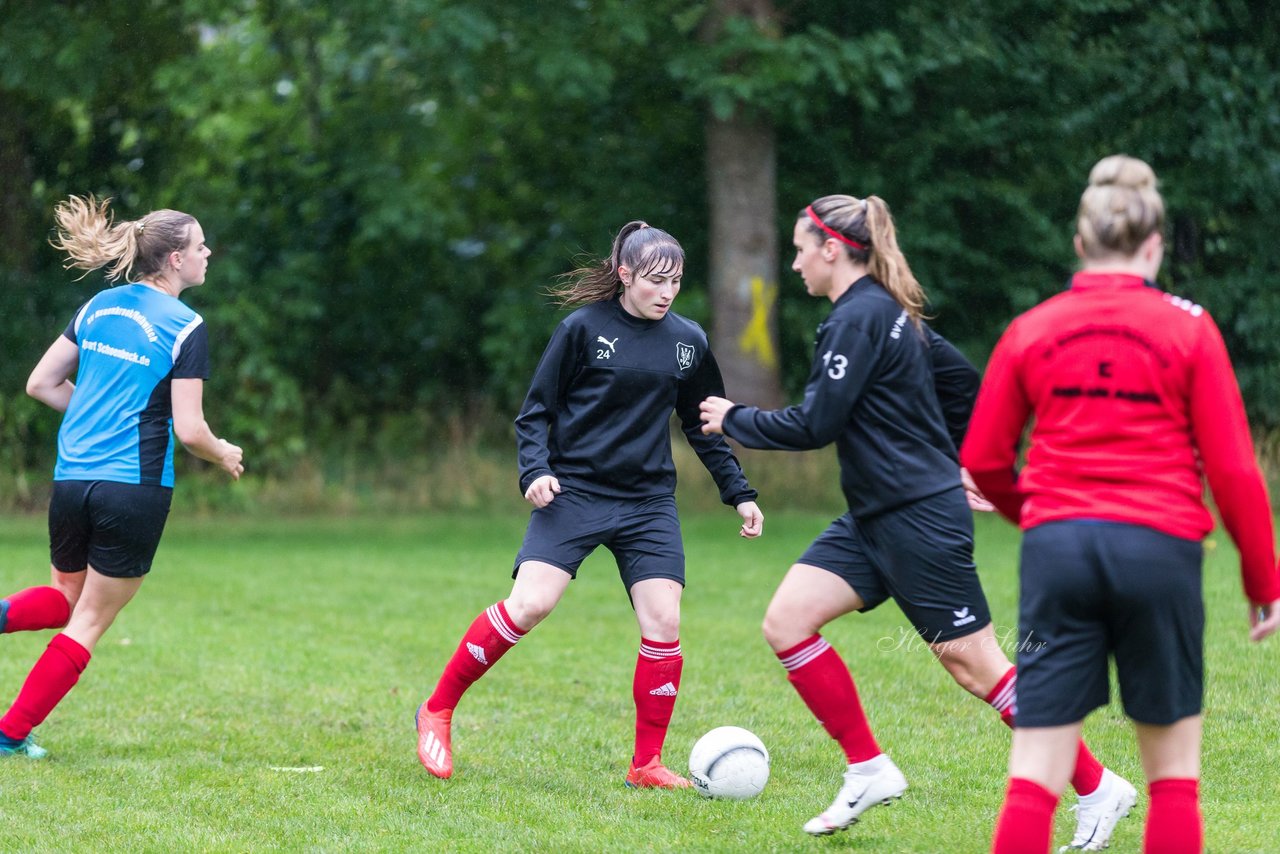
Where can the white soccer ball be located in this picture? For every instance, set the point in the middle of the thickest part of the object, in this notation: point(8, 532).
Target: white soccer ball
point(729, 762)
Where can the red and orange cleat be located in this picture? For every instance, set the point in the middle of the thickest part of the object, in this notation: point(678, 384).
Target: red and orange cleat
point(434, 750)
point(655, 775)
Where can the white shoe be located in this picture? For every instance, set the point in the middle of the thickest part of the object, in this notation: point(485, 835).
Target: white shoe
point(866, 784)
point(1098, 813)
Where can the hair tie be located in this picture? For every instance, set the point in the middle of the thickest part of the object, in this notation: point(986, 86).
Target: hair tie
point(848, 241)
point(140, 225)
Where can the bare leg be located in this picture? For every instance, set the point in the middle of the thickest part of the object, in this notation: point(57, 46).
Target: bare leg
point(1171, 751)
point(100, 600)
point(59, 667)
point(975, 661)
point(1171, 759)
point(1039, 766)
point(807, 599)
point(69, 583)
point(657, 604)
point(537, 590)
point(1045, 755)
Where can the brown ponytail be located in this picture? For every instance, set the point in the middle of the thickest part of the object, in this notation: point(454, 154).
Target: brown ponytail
point(638, 246)
point(91, 239)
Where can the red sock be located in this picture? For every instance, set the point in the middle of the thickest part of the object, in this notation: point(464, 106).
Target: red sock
point(1088, 773)
point(656, 684)
point(821, 679)
point(36, 608)
point(1004, 699)
point(488, 639)
point(55, 672)
point(1173, 818)
point(1025, 825)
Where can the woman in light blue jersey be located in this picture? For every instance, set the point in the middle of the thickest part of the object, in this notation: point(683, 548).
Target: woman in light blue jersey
point(139, 357)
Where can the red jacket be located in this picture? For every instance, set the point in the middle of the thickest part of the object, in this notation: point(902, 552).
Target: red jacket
point(1134, 398)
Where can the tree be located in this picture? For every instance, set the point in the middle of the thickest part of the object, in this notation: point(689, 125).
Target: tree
point(741, 162)
point(81, 114)
point(390, 186)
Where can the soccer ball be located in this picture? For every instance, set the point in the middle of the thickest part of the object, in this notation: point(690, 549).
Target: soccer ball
point(729, 762)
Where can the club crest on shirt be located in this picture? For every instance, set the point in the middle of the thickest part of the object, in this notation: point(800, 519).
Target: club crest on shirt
point(684, 355)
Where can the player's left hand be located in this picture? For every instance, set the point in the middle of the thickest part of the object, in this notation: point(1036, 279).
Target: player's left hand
point(713, 410)
point(1263, 620)
point(752, 520)
point(977, 501)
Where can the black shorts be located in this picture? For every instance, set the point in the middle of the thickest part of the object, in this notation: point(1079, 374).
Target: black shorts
point(920, 555)
point(1092, 589)
point(113, 527)
point(643, 534)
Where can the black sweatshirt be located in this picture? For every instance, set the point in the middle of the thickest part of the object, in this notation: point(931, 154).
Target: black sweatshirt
point(875, 390)
point(597, 415)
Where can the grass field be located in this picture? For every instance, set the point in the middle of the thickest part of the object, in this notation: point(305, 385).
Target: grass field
point(262, 646)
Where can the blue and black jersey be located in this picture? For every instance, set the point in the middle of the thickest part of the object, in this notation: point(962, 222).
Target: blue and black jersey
point(133, 341)
point(597, 415)
point(895, 399)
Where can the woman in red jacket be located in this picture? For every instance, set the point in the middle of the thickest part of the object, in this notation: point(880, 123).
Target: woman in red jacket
point(1134, 402)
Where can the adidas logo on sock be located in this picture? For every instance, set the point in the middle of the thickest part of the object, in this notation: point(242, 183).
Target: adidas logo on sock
point(477, 652)
point(668, 690)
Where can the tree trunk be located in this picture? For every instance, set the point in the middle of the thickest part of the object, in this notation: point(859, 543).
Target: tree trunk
point(16, 246)
point(742, 189)
point(744, 258)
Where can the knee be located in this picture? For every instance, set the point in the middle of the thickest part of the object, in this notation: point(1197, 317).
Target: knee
point(661, 626)
point(772, 629)
point(975, 674)
point(783, 628)
point(967, 679)
point(527, 610)
point(71, 594)
point(72, 597)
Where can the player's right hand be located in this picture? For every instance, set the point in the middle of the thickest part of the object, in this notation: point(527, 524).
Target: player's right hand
point(230, 458)
point(712, 412)
point(1263, 620)
point(977, 501)
point(543, 490)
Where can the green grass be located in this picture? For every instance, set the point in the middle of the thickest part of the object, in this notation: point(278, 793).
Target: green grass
point(295, 643)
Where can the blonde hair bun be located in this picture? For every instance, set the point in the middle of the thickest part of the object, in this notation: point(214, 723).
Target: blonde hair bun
point(1120, 209)
point(1121, 170)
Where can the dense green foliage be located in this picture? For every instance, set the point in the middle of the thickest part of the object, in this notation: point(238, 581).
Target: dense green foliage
point(389, 186)
point(265, 644)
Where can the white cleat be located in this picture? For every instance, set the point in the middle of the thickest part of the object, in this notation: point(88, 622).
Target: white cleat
point(1098, 813)
point(866, 784)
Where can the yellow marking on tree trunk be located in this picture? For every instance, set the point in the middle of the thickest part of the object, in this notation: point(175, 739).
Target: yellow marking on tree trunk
point(755, 340)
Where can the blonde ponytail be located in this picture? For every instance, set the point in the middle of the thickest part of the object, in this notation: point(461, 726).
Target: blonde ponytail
point(866, 230)
point(91, 239)
point(888, 265)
